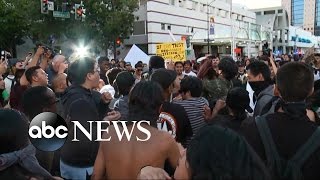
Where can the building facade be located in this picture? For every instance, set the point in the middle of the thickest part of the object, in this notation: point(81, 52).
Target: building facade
point(304, 13)
point(287, 39)
point(235, 28)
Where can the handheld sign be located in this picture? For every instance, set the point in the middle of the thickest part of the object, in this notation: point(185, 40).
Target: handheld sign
point(174, 51)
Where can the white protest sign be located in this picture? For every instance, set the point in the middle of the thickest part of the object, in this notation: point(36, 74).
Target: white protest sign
point(50, 6)
point(136, 54)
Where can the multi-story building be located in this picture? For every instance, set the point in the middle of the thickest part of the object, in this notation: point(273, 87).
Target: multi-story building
point(235, 28)
point(287, 39)
point(304, 13)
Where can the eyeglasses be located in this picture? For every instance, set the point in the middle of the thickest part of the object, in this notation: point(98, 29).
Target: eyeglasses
point(139, 70)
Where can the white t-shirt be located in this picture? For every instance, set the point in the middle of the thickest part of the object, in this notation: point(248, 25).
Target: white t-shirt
point(189, 74)
point(8, 82)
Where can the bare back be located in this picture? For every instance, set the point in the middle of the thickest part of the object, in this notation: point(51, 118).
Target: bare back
point(124, 159)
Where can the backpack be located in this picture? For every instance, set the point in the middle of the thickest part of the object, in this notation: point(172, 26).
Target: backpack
point(281, 168)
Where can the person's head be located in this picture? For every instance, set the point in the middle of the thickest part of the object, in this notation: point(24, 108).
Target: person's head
point(113, 61)
point(103, 64)
point(138, 69)
point(19, 64)
point(112, 74)
point(294, 82)
point(124, 82)
point(238, 101)
point(122, 64)
point(59, 83)
point(248, 61)
point(2, 83)
point(156, 62)
point(206, 70)
point(215, 62)
point(190, 87)
point(36, 76)
point(219, 153)
point(258, 71)
point(167, 79)
point(57, 60)
point(13, 132)
point(228, 68)
point(145, 100)
point(187, 66)
point(241, 66)
point(84, 71)
point(128, 66)
point(14, 136)
point(178, 67)
point(37, 100)
point(286, 57)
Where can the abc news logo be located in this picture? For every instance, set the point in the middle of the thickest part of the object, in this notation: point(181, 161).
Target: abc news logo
point(49, 132)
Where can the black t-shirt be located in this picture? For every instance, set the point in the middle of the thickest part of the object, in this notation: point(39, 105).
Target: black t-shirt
point(174, 119)
point(288, 135)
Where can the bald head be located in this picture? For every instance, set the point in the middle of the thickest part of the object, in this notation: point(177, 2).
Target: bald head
point(57, 60)
point(59, 83)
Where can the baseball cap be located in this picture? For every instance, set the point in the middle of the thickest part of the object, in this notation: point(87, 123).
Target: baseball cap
point(164, 77)
point(238, 98)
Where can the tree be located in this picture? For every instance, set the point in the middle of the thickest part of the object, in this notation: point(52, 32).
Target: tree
point(110, 20)
point(105, 21)
point(13, 23)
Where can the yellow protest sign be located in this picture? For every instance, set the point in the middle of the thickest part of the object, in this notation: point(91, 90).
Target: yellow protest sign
point(172, 51)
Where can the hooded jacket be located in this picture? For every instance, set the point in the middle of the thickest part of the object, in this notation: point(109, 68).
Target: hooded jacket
point(263, 98)
point(79, 105)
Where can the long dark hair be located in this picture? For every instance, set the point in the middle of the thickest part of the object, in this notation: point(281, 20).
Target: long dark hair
point(145, 100)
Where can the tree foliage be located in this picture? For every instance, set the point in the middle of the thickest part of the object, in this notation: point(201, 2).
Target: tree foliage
point(105, 21)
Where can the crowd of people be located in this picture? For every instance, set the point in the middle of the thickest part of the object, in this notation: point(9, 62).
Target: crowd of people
point(213, 118)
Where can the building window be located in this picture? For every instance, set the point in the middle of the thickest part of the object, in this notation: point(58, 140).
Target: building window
point(269, 12)
point(280, 11)
point(169, 27)
point(139, 27)
point(317, 19)
point(163, 26)
point(191, 29)
point(308, 29)
point(202, 7)
point(258, 13)
point(172, 2)
point(222, 13)
point(181, 3)
point(297, 12)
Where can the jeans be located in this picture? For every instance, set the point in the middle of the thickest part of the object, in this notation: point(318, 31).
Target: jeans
point(72, 172)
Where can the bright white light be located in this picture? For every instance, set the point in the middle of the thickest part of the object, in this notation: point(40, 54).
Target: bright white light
point(82, 51)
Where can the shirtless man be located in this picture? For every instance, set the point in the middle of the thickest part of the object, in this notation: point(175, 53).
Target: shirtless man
point(124, 159)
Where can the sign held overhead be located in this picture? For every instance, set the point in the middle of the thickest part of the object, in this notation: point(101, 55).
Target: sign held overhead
point(172, 51)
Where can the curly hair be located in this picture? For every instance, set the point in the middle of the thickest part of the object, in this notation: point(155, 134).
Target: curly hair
point(228, 67)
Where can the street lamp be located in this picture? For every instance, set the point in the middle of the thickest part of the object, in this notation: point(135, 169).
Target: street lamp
point(208, 24)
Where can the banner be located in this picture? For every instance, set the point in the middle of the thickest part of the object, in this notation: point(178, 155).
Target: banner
point(172, 51)
point(211, 25)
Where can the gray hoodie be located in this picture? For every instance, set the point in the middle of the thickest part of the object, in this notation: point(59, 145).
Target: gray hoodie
point(263, 98)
